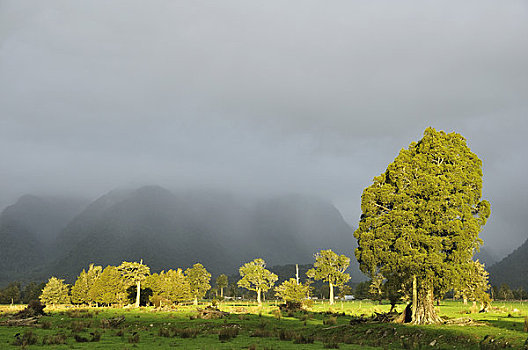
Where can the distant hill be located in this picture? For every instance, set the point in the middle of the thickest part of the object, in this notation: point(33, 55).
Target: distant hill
point(512, 270)
point(486, 256)
point(170, 230)
point(28, 231)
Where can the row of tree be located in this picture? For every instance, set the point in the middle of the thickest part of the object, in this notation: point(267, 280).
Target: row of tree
point(14, 293)
point(115, 284)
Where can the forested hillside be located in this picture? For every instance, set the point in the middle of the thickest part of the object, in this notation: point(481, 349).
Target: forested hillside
point(512, 270)
point(172, 229)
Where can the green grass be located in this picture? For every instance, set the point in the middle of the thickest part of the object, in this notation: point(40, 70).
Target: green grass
point(249, 326)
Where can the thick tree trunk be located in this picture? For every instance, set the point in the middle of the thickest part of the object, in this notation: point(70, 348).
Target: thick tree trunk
point(331, 293)
point(258, 297)
point(195, 302)
point(425, 312)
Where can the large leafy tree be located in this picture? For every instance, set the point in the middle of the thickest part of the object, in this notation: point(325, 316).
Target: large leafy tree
point(255, 277)
point(55, 292)
point(109, 288)
point(199, 278)
point(421, 219)
point(134, 273)
point(330, 267)
point(83, 284)
point(171, 285)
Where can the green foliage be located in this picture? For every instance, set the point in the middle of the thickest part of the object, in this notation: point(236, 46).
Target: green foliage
point(222, 282)
point(198, 278)
point(108, 288)
point(292, 291)
point(172, 286)
point(330, 267)
point(32, 291)
point(55, 292)
point(255, 277)
point(422, 216)
point(474, 283)
point(10, 294)
point(80, 290)
point(134, 273)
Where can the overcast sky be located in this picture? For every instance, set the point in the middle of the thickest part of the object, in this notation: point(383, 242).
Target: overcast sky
point(313, 97)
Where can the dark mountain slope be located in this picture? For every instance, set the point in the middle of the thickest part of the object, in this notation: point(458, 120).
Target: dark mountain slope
point(28, 230)
point(221, 231)
point(512, 270)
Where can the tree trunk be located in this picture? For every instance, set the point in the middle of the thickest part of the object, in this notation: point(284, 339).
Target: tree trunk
point(331, 293)
point(425, 312)
point(195, 302)
point(138, 292)
point(222, 292)
point(414, 299)
point(258, 297)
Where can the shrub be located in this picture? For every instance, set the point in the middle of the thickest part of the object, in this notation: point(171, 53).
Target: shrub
point(56, 339)
point(134, 338)
point(330, 321)
point(96, 336)
point(80, 339)
point(262, 333)
point(79, 326)
point(227, 333)
point(303, 339)
point(286, 334)
point(28, 338)
point(186, 332)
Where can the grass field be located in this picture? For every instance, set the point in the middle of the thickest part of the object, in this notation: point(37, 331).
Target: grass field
point(250, 327)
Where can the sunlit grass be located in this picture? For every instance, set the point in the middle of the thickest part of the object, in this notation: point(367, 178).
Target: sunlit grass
point(252, 326)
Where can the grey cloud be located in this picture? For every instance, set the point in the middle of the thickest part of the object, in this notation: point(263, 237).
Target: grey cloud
point(259, 96)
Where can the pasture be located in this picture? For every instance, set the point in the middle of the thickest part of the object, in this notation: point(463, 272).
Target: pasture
point(345, 325)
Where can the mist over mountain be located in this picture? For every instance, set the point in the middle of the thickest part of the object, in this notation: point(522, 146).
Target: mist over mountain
point(512, 270)
point(29, 228)
point(177, 229)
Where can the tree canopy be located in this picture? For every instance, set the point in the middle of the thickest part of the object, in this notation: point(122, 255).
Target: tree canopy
point(55, 292)
point(198, 278)
point(421, 218)
point(134, 273)
point(255, 277)
point(330, 267)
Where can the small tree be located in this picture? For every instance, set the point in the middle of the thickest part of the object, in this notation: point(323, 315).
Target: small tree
point(55, 292)
point(291, 291)
point(222, 282)
point(134, 273)
point(255, 277)
point(330, 268)
point(199, 279)
point(473, 284)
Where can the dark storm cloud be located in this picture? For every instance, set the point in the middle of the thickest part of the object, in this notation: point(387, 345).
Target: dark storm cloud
point(260, 97)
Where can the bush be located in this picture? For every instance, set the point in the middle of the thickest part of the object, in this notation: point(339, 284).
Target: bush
point(303, 339)
point(227, 333)
point(287, 335)
point(330, 321)
point(134, 338)
point(28, 338)
point(56, 339)
point(261, 333)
